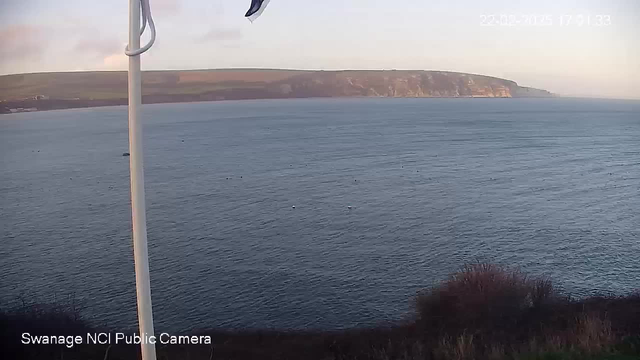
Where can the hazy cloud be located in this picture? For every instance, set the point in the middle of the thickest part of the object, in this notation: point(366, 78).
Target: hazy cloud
point(165, 7)
point(115, 61)
point(221, 35)
point(9, 7)
point(22, 43)
point(98, 47)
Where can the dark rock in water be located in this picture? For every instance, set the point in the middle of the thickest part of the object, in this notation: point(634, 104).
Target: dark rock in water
point(126, 154)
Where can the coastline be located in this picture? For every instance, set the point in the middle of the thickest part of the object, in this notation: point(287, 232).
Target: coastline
point(17, 107)
point(54, 91)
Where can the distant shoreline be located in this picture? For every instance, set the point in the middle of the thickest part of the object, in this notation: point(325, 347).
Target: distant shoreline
point(55, 91)
point(39, 106)
point(125, 103)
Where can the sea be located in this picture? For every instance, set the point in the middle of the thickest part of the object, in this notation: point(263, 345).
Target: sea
point(316, 213)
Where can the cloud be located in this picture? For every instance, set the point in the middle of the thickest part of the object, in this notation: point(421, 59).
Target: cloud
point(98, 52)
point(11, 7)
point(98, 47)
point(165, 7)
point(115, 61)
point(221, 35)
point(22, 43)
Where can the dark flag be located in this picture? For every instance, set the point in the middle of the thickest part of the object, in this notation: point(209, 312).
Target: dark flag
point(256, 9)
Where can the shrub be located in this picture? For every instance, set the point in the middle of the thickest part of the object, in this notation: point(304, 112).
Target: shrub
point(482, 298)
point(459, 348)
point(592, 334)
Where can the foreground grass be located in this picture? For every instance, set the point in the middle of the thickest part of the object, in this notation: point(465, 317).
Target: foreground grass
point(481, 312)
point(575, 356)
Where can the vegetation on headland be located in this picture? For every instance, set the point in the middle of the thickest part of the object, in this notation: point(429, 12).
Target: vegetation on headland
point(481, 312)
point(49, 91)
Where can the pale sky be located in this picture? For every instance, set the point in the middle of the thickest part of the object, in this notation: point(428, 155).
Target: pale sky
point(602, 61)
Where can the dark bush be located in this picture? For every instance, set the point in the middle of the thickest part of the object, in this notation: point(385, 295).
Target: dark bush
point(483, 298)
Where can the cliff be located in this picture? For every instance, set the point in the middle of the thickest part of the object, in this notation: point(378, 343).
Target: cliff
point(398, 84)
point(46, 91)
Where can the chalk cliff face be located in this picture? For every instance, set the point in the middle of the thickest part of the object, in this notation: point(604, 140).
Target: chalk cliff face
point(45, 91)
point(398, 84)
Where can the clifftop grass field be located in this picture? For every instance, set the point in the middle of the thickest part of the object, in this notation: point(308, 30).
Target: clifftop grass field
point(481, 312)
point(103, 85)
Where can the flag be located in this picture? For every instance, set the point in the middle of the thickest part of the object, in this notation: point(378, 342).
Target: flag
point(256, 9)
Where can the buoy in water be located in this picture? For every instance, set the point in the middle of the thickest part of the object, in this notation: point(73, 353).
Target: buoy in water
point(349, 207)
point(293, 207)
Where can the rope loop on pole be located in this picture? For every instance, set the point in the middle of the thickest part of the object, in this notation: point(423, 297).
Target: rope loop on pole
point(146, 17)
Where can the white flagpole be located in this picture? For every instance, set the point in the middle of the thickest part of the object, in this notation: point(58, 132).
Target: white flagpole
point(140, 251)
point(139, 218)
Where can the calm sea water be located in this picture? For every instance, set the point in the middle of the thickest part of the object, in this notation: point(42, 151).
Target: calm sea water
point(551, 185)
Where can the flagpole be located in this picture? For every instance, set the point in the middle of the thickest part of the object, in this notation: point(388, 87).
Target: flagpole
point(140, 250)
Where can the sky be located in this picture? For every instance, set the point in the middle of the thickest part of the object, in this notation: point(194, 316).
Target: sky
point(593, 60)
